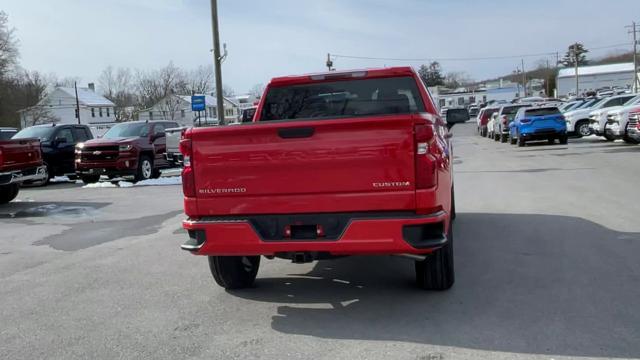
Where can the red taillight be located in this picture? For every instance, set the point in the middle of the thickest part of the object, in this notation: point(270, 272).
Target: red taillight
point(1, 158)
point(188, 178)
point(425, 162)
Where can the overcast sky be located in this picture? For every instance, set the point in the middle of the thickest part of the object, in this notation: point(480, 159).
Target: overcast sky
point(281, 37)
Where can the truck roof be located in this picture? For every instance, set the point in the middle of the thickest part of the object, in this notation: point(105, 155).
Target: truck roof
point(343, 74)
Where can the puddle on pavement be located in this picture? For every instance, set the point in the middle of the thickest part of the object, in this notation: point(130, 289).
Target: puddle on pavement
point(87, 234)
point(51, 210)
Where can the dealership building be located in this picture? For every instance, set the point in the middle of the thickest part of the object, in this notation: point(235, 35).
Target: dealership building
point(592, 78)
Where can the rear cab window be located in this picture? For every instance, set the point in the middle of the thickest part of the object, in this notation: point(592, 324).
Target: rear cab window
point(346, 98)
point(542, 111)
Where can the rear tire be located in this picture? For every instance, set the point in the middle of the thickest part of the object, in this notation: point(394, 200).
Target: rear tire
point(496, 137)
point(504, 138)
point(436, 272)
point(564, 139)
point(513, 140)
point(551, 141)
point(609, 137)
point(8, 192)
point(90, 179)
point(234, 272)
point(521, 141)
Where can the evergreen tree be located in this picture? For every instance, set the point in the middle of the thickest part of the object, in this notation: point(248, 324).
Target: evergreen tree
point(569, 58)
point(431, 74)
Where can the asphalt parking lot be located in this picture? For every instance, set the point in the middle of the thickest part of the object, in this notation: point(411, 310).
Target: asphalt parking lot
point(546, 248)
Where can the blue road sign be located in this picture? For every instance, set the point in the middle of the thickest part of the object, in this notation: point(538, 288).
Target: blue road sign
point(198, 103)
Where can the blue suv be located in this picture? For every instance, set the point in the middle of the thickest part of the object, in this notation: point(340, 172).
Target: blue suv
point(538, 123)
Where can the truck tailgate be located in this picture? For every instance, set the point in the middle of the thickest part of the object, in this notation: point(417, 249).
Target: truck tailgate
point(19, 154)
point(338, 165)
point(173, 139)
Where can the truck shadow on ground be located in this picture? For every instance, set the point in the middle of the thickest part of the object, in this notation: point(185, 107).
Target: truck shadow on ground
point(535, 284)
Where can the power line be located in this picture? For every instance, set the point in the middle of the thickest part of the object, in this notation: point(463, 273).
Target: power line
point(503, 57)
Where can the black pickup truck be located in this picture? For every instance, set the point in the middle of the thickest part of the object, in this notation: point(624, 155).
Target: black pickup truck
point(58, 144)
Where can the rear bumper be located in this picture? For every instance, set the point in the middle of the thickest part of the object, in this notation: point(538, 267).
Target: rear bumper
point(174, 158)
point(543, 133)
point(417, 234)
point(16, 177)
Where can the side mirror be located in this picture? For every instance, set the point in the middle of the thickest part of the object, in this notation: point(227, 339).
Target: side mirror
point(59, 141)
point(455, 116)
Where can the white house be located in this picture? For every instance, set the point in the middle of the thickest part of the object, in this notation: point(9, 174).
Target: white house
point(178, 108)
point(59, 107)
point(591, 78)
point(456, 98)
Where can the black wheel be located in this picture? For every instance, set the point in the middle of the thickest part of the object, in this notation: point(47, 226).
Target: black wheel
point(496, 137)
point(521, 141)
point(513, 140)
point(8, 192)
point(564, 140)
point(156, 174)
point(436, 272)
point(234, 272)
point(551, 141)
point(504, 138)
point(609, 137)
point(582, 128)
point(90, 179)
point(626, 137)
point(483, 132)
point(145, 169)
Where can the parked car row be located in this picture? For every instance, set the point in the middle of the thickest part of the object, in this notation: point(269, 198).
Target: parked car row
point(135, 149)
point(521, 123)
point(613, 117)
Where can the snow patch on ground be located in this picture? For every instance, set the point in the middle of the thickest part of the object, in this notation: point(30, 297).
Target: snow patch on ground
point(60, 179)
point(163, 181)
point(173, 180)
point(100, 185)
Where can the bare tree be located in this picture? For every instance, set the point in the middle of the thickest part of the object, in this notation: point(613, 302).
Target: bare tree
point(153, 86)
point(117, 87)
point(257, 90)
point(171, 106)
point(199, 81)
point(40, 114)
point(8, 46)
point(457, 79)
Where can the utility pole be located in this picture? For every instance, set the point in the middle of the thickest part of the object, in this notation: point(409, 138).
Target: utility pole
point(575, 58)
point(524, 79)
point(217, 62)
point(636, 80)
point(75, 86)
point(329, 62)
point(548, 80)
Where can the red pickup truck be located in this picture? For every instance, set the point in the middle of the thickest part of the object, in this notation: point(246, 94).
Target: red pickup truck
point(20, 161)
point(334, 164)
